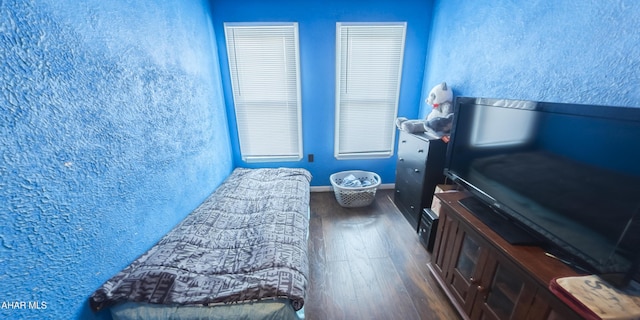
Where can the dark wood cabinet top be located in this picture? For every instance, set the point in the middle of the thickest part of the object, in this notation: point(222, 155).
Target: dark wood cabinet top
point(531, 259)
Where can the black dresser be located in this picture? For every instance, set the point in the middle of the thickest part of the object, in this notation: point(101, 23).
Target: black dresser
point(418, 171)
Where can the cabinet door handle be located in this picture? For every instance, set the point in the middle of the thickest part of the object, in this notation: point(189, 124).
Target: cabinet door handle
point(483, 291)
point(404, 141)
point(400, 159)
point(474, 281)
point(416, 170)
point(412, 207)
point(420, 150)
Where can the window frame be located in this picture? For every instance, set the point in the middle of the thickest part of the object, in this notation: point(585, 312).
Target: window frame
point(388, 141)
point(250, 136)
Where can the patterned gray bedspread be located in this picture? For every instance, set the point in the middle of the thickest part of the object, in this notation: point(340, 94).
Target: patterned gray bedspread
point(246, 242)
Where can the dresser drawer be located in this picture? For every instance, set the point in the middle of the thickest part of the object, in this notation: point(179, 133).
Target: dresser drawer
point(412, 153)
point(411, 174)
point(410, 197)
point(412, 149)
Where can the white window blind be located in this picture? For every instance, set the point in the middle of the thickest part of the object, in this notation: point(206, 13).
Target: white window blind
point(368, 70)
point(264, 68)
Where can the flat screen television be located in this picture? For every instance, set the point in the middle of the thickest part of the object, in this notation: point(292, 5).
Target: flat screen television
point(562, 176)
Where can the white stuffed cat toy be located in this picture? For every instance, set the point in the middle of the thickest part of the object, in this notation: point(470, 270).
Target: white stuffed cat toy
point(439, 120)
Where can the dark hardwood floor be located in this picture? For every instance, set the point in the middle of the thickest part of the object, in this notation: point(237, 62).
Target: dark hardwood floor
point(367, 263)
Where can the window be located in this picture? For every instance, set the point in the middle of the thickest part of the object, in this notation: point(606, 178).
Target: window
point(368, 71)
point(264, 68)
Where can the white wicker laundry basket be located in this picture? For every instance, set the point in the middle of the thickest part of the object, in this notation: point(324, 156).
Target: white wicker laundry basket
point(355, 196)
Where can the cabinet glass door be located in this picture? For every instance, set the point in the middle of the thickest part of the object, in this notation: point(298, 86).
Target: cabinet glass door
point(504, 292)
point(468, 258)
point(466, 271)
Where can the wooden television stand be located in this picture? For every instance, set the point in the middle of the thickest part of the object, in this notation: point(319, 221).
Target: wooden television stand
point(485, 277)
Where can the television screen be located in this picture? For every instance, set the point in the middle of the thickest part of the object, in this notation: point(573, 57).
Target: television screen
point(568, 173)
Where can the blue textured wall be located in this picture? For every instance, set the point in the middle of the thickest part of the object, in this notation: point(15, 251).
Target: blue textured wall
point(317, 28)
point(112, 129)
point(559, 51)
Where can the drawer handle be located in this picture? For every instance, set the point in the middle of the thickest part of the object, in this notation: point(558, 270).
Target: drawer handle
point(420, 150)
point(416, 170)
point(412, 207)
point(404, 141)
point(401, 159)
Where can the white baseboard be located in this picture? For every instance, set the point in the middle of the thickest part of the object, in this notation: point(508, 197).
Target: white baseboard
point(387, 186)
point(330, 188)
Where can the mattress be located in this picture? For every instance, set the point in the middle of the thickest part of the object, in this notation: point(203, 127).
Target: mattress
point(246, 243)
point(279, 309)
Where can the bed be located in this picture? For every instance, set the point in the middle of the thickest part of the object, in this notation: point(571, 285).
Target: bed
point(241, 254)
